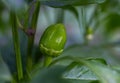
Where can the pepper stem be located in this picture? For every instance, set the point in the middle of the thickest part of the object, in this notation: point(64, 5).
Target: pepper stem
point(47, 61)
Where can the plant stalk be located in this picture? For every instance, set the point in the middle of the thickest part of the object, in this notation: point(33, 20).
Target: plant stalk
point(16, 45)
point(60, 16)
point(84, 24)
point(33, 26)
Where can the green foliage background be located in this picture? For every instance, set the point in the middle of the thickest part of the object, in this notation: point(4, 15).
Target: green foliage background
point(84, 60)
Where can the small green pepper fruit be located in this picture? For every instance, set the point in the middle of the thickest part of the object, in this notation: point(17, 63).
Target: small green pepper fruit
point(89, 34)
point(53, 40)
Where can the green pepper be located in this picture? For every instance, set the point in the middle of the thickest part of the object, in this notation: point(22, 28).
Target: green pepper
point(53, 40)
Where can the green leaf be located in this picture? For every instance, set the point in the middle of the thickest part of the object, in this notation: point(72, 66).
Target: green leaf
point(15, 4)
point(79, 72)
point(110, 6)
point(62, 3)
point(5, 75)
point(4, 18)
point(116, 67)
point(50, 75)
point(104, 73)
point(99, 51)
point(112, 23)
point(53, 74)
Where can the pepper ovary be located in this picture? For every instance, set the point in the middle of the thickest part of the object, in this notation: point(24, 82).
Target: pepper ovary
point(53, 40)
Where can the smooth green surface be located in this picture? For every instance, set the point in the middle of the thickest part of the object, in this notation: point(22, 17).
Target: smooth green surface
point(53, 40)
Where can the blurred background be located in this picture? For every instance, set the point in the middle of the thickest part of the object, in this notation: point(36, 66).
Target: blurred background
point(103, 20)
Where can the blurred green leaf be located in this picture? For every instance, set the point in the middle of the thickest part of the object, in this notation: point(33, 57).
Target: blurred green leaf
point(23, 18)
point(53, 74)
point(117, 68)
point(62, 3)
point(104, 73)
point(15, 5)
point(99, 51)
point(50, 75)
point(5, 75)
point(110, 6)
point(4, 18)
point(79, 72)
point(112, 22)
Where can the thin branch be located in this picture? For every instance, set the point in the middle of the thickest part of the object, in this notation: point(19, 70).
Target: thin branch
point(16, 45)
point(33, 27)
